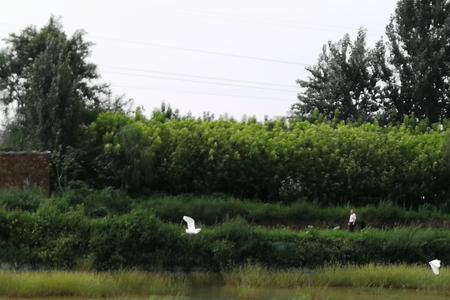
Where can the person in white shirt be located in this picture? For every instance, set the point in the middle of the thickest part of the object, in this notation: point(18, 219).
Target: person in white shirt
point(352, 220)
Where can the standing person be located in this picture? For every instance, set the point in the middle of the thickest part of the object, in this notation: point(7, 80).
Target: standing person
point(352, 221)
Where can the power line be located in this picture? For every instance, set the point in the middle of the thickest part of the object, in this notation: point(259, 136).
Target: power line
point(198, 76)
point(210, 52)
point(200, 93)
point(202, 82)
point(203, 51)
point(244, 19)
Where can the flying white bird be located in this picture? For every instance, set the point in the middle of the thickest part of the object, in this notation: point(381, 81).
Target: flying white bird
point(191, 225)
point(435, 264)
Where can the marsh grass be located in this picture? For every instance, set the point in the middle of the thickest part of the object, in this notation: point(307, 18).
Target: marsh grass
point(368, 276)
point(249, 282)
point(80, 284)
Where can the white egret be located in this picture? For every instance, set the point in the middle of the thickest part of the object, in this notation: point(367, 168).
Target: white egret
point(435, 264)
point(191, 225)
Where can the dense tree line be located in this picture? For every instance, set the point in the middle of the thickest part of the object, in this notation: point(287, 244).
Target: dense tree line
point(330, 162)
point(408, 74)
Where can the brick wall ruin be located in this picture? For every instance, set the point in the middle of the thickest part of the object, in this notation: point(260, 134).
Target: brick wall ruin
point(25, 169)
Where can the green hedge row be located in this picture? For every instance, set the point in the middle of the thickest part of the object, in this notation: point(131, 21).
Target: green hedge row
point(216, 209)
point(330, 163)
point(49, 239)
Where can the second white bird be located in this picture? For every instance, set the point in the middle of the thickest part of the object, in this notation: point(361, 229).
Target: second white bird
point(191, 225)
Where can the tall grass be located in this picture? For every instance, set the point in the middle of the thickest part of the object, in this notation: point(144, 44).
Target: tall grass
point(79, 284)
point(246, 281)
point(367, 276)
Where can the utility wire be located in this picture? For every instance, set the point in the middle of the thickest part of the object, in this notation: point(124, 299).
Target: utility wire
point(203, 82)
point(241, 97)
point(228, 17)
point(198, 76)
point(186, 49)
point(196, 50)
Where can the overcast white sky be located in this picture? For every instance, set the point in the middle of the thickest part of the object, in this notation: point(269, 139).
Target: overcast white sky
point(206, 55)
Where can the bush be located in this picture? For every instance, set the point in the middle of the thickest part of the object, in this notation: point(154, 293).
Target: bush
point(211, 210)
point(51, 239)
point(95, 202)
point(215, 209)
point(21, 199)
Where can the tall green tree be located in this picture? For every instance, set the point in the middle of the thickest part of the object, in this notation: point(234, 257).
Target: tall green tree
point(46, 78)
point(346, 79)
point(418, 38)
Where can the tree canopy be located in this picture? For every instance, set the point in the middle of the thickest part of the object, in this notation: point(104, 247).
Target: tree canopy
point(409, 74)
point(418, 37)
point(345, 79)
point(47, 80)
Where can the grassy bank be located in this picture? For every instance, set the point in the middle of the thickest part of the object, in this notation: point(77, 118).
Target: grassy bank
point(106, 230)
point(51, 238)
point(216, 209)
point(244, 279)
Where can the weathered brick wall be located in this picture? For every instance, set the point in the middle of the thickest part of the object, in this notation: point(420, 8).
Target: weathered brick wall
point(25, 169)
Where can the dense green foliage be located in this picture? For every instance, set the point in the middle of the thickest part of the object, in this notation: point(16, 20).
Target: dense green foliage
point(212, 210)
point(48, 239)
point(332, 163)
point(216, 209)
point(57, 235)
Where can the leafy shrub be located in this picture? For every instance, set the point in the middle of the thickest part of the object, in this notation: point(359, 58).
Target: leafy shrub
point(21, 199)
point(212, 210)
point(52, 239)
point(96, 203)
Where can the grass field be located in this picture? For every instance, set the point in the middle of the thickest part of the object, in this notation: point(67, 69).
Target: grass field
point(248, 278)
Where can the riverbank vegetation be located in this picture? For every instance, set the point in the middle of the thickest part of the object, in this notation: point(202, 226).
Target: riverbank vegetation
point(245, 280)
point(368, 276)
point(55, 237)
point(90, 285)
point(216, 209)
